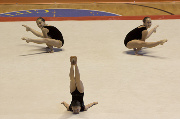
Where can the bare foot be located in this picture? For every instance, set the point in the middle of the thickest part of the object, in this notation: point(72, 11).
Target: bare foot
point(138, 54)
point(163, 41)
point(73, 60)
point(49, 50)
point(136, 51)
point(52, 51)
point(27, 39)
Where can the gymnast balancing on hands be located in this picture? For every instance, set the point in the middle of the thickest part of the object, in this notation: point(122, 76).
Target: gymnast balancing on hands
point(76, 90)
point(50, 35)
point(135, 39)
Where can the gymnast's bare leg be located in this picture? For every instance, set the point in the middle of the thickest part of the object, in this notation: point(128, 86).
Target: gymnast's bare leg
point(141, 32)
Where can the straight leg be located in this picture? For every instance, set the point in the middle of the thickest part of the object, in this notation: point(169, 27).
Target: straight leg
point(79, 83)
point(72, 80)
point(47, 41)
point(140, 44)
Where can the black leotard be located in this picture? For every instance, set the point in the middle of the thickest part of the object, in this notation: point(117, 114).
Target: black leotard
point(135, 34)
point(54, 33)
point(76, 95)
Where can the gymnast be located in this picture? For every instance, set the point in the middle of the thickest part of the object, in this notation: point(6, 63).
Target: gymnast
point(50, 35)
point(135, 39)
point(76, 90)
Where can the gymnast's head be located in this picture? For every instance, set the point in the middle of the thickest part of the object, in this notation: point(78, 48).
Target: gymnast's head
point(147, 22)
point(40, 22)
point(76, 106)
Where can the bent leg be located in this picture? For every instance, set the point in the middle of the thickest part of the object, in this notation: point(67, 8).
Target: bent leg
point(51, 42)
point(72, 80)
point(49, 48)
point(79, 83)
point(55, 43)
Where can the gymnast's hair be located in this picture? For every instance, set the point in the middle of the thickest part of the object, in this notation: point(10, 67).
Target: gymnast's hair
point(144, 20)
point(75, 103)
point(41, 19)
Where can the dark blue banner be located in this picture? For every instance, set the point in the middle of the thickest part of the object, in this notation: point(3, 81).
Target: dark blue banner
point(57, 13)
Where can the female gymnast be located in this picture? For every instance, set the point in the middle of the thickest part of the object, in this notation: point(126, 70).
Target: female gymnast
point(136, 38)
point(50, 35)
point(76, 90)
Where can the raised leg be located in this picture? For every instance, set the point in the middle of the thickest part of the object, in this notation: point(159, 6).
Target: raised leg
point(50, 42)
point(140, 44)
point(79, 83)
point(72, 80)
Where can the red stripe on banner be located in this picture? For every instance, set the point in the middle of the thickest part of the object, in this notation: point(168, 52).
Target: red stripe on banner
point(153, 17)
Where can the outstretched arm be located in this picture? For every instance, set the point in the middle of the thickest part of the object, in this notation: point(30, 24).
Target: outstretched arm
point(90, 105)
point(151, 31)
point(38, 34)
point(66, 105)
